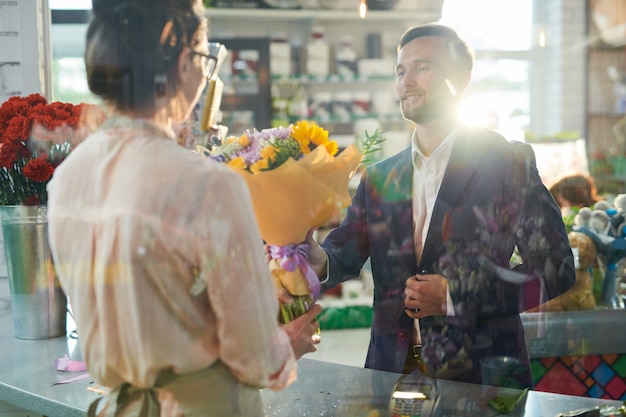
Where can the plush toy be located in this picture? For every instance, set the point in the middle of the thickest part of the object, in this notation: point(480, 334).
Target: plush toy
point(620, 203)
point(582, 218)
point(618, 221)
point(600, 222)
point(580, 296)
point(602, 205)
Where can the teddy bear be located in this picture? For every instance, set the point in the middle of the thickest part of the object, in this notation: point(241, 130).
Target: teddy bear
point(580, 296)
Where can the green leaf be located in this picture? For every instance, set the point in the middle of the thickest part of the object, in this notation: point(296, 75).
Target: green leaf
point(504, 403)
point(368, 145)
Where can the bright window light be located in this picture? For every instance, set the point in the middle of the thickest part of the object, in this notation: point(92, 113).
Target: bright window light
point(491, 24)
point(70, 4)
point(498, 96)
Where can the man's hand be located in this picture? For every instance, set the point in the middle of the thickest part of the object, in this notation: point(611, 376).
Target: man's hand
point(317, 256)
point(303, 332)
point(426, 295)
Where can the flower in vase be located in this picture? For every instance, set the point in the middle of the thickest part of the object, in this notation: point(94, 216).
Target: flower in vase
point(35, 137)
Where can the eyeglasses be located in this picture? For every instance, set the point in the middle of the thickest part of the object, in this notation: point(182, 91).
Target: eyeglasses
point(210, 63)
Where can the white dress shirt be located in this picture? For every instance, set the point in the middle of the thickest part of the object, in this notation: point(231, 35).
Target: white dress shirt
point(428, 172)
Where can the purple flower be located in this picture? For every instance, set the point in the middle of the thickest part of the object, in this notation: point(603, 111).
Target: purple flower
point(219, 158)
point(252, 152)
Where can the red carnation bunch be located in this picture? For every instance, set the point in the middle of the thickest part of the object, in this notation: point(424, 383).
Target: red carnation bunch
point(35, 137)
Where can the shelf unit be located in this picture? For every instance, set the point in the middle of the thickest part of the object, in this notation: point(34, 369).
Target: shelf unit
point(296, 25)
point(308, 15)
point(605, 114)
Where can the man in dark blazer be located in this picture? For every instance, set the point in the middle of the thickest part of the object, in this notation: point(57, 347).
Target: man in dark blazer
point(472, 198)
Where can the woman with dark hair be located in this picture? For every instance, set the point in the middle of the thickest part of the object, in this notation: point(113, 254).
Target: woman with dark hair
point(157, 248)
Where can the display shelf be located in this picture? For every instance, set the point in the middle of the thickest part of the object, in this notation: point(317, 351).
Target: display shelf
point(332, 79)
point(307, 15)
point(605, 106)
point(296, 24)
point(342, 104)
point(335, 79)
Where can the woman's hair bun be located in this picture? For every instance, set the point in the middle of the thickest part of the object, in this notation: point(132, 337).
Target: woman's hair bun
point(111, 11)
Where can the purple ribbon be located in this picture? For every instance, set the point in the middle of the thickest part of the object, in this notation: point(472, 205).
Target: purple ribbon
point(291, 256)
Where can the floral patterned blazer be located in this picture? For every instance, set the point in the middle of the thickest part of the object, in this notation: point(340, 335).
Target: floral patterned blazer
point(491, 201)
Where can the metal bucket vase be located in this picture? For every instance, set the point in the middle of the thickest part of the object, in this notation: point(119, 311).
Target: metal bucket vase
point(39, 305)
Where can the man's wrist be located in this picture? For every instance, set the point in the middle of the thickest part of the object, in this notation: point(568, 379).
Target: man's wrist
point(322, 274)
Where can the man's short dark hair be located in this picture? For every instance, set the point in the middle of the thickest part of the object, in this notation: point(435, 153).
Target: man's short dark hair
point(459, 49)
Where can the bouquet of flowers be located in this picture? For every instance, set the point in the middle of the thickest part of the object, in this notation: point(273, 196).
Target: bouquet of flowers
point(35, 137)
point(297, 182)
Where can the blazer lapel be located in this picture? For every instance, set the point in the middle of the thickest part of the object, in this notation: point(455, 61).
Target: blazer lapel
point(391, 185)
point(404, 211)
point(464, 160)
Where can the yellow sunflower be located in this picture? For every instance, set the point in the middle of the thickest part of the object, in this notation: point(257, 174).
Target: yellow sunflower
point(237, 163)
point(301, 133)
point(243, 141)
point(332, 147)
point(259, 166)
point(315, 134)
point(269, 153)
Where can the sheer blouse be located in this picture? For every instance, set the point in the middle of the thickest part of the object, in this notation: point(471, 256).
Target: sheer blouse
point(159, 253)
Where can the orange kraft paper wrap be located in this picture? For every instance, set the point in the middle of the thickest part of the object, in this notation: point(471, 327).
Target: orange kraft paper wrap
point(300, 195)
point(292, 199)
point(297, 183)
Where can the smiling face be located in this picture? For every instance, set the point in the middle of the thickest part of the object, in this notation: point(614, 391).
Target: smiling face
point(428, 83)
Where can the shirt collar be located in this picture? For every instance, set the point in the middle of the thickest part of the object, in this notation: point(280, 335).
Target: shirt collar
point(443, 151)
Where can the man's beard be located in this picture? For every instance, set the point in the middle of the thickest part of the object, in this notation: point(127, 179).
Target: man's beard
point(425, 113)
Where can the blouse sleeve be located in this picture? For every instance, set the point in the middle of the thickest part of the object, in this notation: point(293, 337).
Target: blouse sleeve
point(240, 288)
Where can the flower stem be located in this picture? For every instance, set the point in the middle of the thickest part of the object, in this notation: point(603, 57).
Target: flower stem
point(298, 307)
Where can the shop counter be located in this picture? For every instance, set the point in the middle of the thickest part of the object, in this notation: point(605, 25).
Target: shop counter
point(28, 374)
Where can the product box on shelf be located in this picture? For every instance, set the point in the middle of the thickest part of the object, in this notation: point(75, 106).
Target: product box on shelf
point(317, 53)
point(234, 4)
point(280, 56)
point(279, 4)
point(375, 67)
